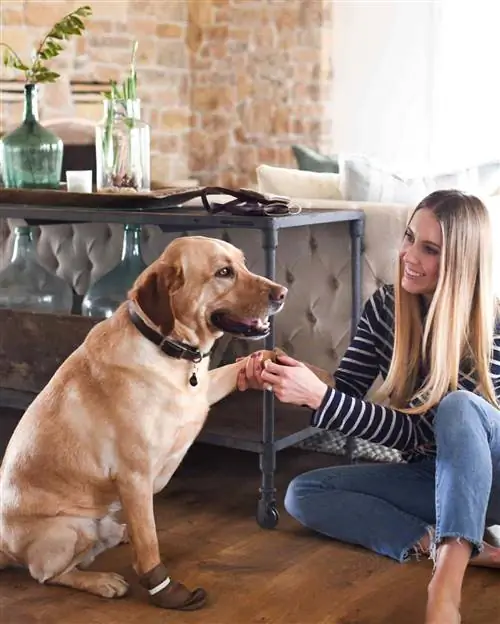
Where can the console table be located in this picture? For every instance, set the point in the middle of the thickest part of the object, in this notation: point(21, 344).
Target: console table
point(269, 439)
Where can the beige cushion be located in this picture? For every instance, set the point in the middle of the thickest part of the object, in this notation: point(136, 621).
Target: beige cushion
point(296, 183)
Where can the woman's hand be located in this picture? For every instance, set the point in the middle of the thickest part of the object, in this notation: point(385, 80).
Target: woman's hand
point(290, 380)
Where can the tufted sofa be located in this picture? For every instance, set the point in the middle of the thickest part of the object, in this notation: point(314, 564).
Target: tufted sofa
point(313, 262)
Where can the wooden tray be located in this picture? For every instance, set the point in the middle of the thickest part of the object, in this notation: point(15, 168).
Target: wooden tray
point(159, 199)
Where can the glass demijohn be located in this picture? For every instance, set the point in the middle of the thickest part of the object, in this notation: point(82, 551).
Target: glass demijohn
point(31, 155)
point(122, 143)
point(26, 285)
point(107, 293)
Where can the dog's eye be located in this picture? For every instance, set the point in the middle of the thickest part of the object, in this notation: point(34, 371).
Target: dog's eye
point(225, 272)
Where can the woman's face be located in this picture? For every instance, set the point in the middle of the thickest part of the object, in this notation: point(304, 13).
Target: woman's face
point(420, 254)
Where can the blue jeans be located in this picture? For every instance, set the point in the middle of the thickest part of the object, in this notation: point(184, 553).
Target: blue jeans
point(388, 508)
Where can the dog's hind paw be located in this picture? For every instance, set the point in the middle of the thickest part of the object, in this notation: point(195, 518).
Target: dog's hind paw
point(105, 584)
point(110, 585)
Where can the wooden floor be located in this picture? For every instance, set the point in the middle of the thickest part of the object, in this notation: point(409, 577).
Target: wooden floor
point(209, 537)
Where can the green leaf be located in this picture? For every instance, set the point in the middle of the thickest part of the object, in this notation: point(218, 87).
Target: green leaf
point(77, 22)
point(56, 33)
point(83, 11)
point(44, 75)
point(71, 24)
point(50, 50)
point(10, 59)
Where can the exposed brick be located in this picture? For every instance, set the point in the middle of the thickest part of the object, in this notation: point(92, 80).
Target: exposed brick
point(201, 13)
point(42, 14)
point(165, 143)
point(210, 98)
point(111, 42)
point(98, 27)
point(216, 33)
point(146, 26)
point(174, 120)
point(11, 17)
point(225, 84)
point(172, 54)
point(170, 31)
point(114, 10)
point(194, 36)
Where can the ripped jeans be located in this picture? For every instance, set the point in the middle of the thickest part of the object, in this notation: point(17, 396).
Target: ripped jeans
point(388, 508)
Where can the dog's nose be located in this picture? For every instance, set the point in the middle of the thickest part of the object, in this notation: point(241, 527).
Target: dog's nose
point(277, 294)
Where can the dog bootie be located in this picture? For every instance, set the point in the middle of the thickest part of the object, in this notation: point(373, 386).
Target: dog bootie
point(169, 594)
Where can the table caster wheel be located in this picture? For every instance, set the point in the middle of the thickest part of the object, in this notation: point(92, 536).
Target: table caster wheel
point(267, 515)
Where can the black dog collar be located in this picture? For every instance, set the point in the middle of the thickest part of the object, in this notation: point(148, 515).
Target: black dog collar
point(173, 348)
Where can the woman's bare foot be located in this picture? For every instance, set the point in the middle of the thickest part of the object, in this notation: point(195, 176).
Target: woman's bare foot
point(442, 608)
point(489, 557)
point(442, 612)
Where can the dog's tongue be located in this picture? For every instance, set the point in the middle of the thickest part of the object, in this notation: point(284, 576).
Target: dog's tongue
point(250, 322)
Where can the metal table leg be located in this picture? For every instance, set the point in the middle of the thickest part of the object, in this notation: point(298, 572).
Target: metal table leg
point(356, 229)
point(267, 513)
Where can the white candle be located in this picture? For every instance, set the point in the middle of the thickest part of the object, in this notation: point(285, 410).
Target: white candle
point(79, 181)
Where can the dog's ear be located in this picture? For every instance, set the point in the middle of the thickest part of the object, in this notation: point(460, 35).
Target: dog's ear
point(152, 291)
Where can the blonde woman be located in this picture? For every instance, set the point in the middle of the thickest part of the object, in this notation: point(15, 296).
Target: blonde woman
point(435, 339)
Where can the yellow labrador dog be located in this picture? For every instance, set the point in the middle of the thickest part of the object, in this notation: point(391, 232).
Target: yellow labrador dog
point(116, 419)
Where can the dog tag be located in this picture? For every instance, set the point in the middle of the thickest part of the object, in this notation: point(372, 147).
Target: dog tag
point(193, 380)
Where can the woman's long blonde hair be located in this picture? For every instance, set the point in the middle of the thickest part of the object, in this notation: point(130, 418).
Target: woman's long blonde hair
point(458, 330)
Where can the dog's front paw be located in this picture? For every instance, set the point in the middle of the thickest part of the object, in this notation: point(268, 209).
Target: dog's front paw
point(169, 594)
point(272, 355)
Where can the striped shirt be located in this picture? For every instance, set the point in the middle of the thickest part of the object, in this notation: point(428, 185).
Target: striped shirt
point(369, 354)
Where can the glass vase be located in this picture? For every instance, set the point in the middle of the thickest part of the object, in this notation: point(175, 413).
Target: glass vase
point(31, 155)
point(122, 142)
point(26, 285)
point(107, 293)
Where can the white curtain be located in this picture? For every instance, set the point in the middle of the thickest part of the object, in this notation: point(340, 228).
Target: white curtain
point(416, 83)
point(466, 83)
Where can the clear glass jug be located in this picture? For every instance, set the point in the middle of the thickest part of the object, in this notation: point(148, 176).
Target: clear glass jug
point(122, 142)
point(25, 284)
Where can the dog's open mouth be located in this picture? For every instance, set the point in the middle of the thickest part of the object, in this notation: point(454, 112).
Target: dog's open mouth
point(243, 327)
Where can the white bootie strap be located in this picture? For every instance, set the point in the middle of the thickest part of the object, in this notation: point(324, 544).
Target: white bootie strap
point(159, 587)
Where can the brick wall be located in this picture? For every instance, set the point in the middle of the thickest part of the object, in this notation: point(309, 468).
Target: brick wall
point(225, 84)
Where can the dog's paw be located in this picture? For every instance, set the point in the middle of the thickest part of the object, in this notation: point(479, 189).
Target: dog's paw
point(272, 355)
point(106, 584)
point(177, 596)
point(166, 593)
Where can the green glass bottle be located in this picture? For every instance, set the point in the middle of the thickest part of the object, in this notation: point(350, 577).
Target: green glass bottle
point(31, 155)
point(107, 293)
point(26, 285)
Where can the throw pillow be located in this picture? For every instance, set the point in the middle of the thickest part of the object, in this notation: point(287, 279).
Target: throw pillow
point(365, 180)
point(310, 160)
point(296, 183)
